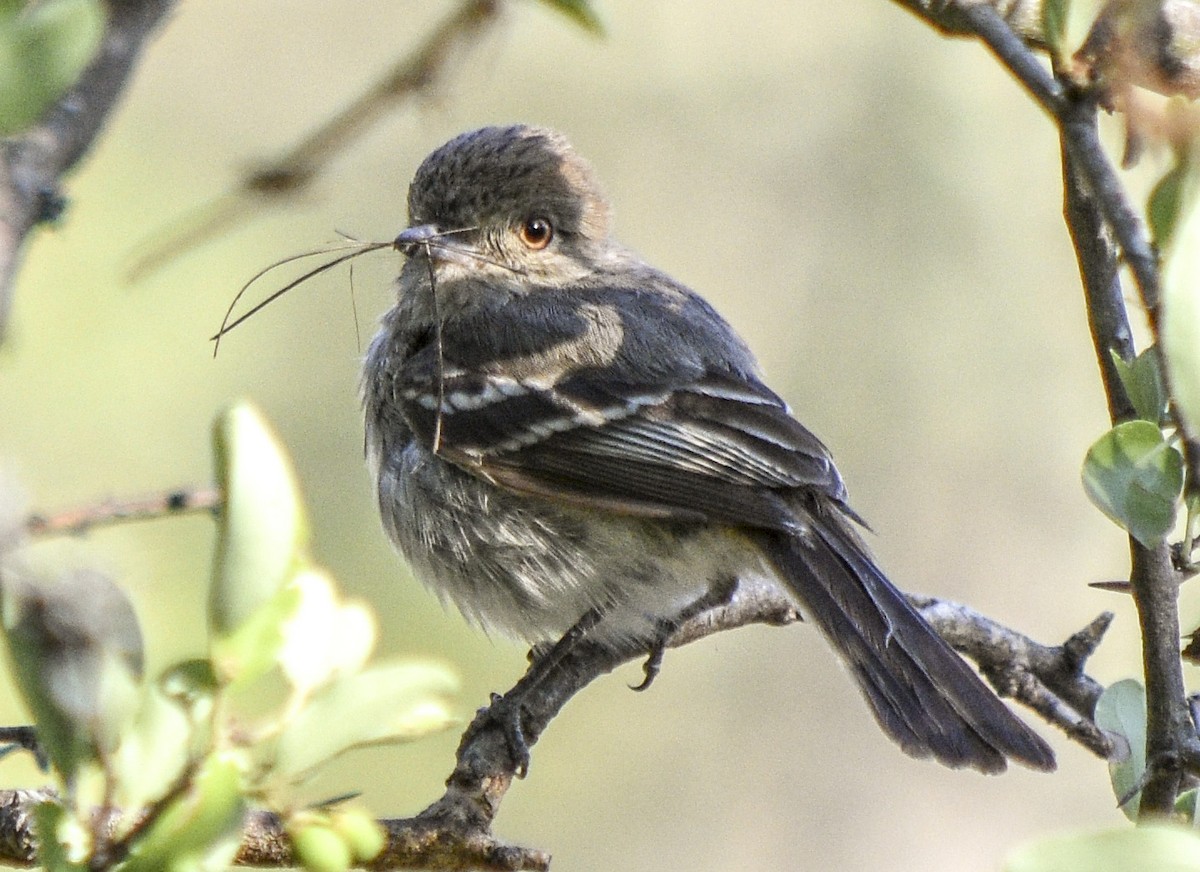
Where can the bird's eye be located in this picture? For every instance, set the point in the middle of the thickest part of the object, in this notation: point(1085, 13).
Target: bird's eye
point(536, 232)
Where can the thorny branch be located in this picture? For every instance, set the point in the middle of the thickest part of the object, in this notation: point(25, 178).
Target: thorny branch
point(454, 833)
point(1153, 578)
point(1097, 209)
point(1048, 680)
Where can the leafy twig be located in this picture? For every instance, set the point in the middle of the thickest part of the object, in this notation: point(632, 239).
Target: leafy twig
point(32, 165)
point(1097, 207)
point(454, 833)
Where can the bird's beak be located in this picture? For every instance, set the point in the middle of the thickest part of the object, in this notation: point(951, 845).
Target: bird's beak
point(438, 245)
point(413, 237)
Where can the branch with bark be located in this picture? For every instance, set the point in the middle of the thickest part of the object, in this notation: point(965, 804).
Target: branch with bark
point(1097, 210)
point(455, 832)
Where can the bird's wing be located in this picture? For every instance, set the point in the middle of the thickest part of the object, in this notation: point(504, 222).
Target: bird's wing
point(710, 450)
point(677, 438)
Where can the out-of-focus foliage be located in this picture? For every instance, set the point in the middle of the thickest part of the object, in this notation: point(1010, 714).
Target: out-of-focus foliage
point(1143, 849)
point(286, 688)
point(43, 46)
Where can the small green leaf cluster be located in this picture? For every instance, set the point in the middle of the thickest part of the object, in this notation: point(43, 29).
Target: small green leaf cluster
point(1134, 472)
point(333, 841)
point(43, 48)
point(173, 764)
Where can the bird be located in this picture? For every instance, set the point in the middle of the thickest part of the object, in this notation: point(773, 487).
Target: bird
point(557, 429)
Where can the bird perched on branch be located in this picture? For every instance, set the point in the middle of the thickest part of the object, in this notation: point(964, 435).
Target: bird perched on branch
point(561, 432)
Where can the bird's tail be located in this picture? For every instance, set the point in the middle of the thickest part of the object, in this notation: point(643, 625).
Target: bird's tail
point(923, 694)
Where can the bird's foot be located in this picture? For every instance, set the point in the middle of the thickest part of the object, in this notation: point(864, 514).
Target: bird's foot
point(718, 595)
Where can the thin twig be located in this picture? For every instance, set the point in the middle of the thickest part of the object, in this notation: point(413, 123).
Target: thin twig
point(118, 849)
point(1023, 17)
point(80, 519)
point(454, 833)
point(1014, 52)
point(297, 168)
point(23, 738)
point(1100, 274)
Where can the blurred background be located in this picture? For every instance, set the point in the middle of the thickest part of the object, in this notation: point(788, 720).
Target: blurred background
point(875, 208)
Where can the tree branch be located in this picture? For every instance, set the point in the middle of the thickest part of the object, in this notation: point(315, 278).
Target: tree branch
point(80, 519)
point(1096, 207)
point(1048, 680)
point(1153, 578)
point(1022, 17)
point(1170, 734)
point(1073, 111)
point(454, 833)
point(18, 839)
point(1101, 278)
point(32, 165)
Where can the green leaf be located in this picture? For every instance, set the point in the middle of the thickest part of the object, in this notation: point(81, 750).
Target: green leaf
point(44, 47)
point(396, 702)
point(1154, 848)
point(54, 856)
point(1121, 712)
point(325, 636)
point(579, 11)
point(189, 679)
point(1185, 805)
point(252, 650)
point(1165, 203)
point(1143, 382)
point(1179, 310)
point(1135, 477)
point(263, 531)
point(201, 829)
point(320, 849)
point(364, 835)
point(1054, 24)
point(153, 751)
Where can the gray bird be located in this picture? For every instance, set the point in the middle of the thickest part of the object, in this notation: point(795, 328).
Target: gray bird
point(558, 429)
